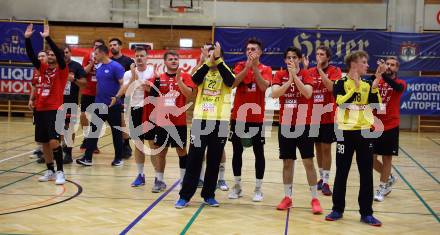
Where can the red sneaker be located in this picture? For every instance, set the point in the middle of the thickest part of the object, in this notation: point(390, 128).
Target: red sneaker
point(285, 204)
point(97, 151)
point(316, 206)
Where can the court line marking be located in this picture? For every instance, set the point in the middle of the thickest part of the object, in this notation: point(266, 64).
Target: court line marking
point(149, 208)
point(38, 202)
point(286, 229)
point(418, 195)
point(22, 154)
point(193, 218)
point(421, 167)
point(433, 140)
point(24, 137)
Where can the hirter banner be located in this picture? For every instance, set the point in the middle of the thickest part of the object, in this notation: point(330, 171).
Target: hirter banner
point(12, 41)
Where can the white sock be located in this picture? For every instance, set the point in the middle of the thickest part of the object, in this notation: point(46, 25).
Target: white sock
point(382, 184)
point(182, 174)
point(159, 176)
point(202, 173)
point(321, 172)
point(237, 180)
point(314, 191)
point(288, 190)
point(221, 172)
point(140, 168)
point(258, 183)
point(325, 176)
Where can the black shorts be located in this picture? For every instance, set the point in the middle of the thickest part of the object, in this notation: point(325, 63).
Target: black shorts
point(326, 134)
point(136, 120)
point(258, 138)
point(288, 146)
point(163, 138)
point(387, 143)
point(45, 126)
point(86, 100)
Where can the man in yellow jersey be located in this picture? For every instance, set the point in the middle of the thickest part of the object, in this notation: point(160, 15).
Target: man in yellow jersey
point(355, 118)
point(210, 127)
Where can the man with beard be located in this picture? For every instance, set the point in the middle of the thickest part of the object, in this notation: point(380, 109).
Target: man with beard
point(48, 99)
point(391, 89)
point(115, 48)
point(75, 80)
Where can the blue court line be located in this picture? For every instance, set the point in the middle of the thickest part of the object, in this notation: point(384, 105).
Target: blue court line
point(436, 216)
point(421, 167)
point(287, 222)
point(146, 211)
point(193, 218)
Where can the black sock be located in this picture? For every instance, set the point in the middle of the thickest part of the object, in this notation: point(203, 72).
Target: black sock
point(182, 161)
point(69, 150)
point(50, 166)
point(58, 156)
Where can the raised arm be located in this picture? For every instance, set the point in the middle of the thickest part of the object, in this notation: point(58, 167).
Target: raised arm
point(29, 49)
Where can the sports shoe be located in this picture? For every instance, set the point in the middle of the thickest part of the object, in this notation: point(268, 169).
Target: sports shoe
point(316, 206)
point(320, 184)
point(48, 176)
point(67, 158)
point(83, 161)
point(139, 181)
point(380, 193)
point(158, 186)
point(333, 216)
point(221, 184)
point(391, 181)
point(37, 152)
point(369, 219)
point(285, 204)
point(60, 178)
point(326, 189)
point(200, 184)
point(127, 152)
point(236, 192)
point(181, 203)
point(258, 196)
point(211, 202)
point(117, 162)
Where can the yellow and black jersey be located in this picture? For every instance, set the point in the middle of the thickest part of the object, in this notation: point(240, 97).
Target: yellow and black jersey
point(354, 111)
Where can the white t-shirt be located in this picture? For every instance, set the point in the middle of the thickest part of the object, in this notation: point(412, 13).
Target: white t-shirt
point(138, 95)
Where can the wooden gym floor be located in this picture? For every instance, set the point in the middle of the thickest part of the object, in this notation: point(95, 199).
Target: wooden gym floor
point(99, 199)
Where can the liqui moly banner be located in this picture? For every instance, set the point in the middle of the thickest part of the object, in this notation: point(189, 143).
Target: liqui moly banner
point(15, 79)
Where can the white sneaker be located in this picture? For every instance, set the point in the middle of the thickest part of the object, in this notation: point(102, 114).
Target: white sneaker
point(60, 178)
point(48, 175)
point(391, 181)
point(380, 194)
point(258, 196)
point(236, 192)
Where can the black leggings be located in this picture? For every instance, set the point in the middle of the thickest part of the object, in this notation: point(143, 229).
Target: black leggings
point(354, 141)
point(213, 136)
point(257, 145)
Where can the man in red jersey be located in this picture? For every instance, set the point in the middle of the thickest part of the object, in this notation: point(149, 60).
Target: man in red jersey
point(323, 114)
point(252, 80)
point(294, 88)
point(171, 90)
point(42, 57)
point(48, 99)
point(391, 89)
point(88, 93)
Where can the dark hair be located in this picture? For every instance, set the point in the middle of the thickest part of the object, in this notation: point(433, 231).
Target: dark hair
point(67, 47)
point(353, 56)
point(140, 48)
point(99, 40)
point(168, 53)
point(326, 49)
point(103, 49)
point(256, 41)
point(115, 39)
point(393, 58)
point(212, 47)
point(295, 50)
